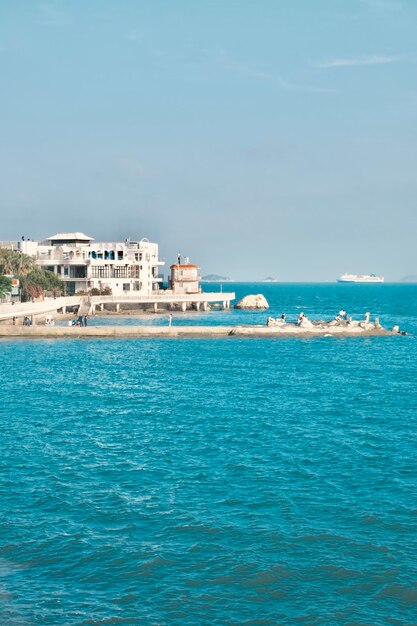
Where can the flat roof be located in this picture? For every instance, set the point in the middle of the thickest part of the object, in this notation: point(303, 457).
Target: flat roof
point(70, 237)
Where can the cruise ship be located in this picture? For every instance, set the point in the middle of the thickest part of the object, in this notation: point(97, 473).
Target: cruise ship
point(365, 278)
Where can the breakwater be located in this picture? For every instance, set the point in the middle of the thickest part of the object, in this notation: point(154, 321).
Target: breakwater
point(289, 330)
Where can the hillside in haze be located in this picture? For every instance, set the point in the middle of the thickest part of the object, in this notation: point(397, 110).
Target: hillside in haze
point(215, 278)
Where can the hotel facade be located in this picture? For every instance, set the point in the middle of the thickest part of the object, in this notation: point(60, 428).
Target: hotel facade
point(84, 264)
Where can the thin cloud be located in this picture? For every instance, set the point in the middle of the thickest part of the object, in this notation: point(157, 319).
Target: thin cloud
point(359, 61)
point(278, 80)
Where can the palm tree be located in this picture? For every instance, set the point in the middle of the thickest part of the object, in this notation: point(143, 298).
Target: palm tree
point(24, 264)
point(15, 263)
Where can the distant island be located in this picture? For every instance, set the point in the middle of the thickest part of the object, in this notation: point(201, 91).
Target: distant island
point(215, 278)
point(409, 279)
point(269, 279)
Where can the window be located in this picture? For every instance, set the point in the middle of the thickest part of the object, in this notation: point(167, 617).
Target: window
point(100, 271)
point(78, 271)
point(126, 286)
point(120, 271)
point(134, 271)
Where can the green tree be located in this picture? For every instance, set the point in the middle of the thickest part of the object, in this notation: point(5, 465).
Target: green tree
point(15, 263)
point(5, 285)
point(34, 281)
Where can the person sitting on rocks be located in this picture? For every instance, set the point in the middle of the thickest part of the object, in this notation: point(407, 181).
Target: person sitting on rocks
point(301, 318)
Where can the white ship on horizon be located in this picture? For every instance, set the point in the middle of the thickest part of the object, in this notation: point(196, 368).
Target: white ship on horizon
point(364, 278)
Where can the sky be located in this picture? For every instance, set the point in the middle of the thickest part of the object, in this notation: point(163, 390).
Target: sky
point(269, 138)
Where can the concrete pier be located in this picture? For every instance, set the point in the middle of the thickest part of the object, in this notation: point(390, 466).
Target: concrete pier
point(290, 330)
point(157, 300)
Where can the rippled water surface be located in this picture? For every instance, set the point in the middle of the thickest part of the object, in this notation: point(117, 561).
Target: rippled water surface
point(214, 481)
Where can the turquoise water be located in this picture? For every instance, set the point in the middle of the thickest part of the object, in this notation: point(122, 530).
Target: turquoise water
point(225, 481)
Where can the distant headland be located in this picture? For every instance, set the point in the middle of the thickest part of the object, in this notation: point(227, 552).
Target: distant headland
point(216, 278)
point(412, 278)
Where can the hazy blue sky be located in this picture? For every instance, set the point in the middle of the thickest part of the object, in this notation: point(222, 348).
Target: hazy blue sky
point(267, 137)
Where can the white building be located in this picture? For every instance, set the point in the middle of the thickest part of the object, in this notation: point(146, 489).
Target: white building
point(84, 264)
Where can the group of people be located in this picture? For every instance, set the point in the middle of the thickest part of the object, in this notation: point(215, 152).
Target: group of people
point(342, 316)
point(81, 320)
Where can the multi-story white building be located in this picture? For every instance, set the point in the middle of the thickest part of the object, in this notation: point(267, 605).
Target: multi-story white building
point(84, 264)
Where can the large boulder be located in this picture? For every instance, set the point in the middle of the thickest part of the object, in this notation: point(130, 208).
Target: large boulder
point(252, 302)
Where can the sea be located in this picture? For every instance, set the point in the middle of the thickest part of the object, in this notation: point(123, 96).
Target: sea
point(214, 481)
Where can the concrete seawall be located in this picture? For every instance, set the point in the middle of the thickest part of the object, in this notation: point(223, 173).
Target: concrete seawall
point(289, 330)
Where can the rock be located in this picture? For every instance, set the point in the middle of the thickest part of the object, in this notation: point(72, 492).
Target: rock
point(275, 321)
point(252, 302)
point(306, 323)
